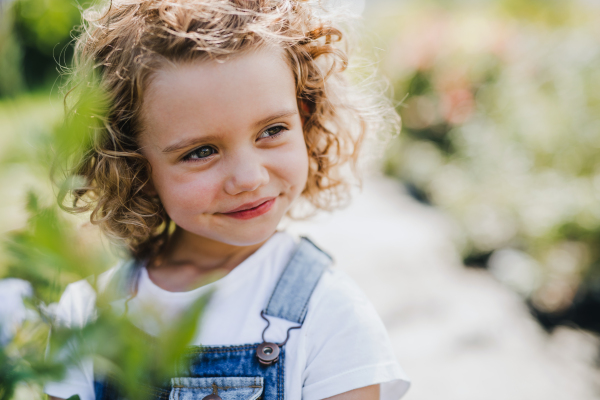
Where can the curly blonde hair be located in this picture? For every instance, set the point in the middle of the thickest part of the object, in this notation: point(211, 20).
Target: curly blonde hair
point(126, 41)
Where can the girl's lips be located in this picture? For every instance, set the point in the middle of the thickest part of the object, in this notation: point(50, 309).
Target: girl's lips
point(253, 212)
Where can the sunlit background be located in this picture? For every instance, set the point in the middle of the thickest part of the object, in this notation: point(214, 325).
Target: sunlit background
point(479, 239)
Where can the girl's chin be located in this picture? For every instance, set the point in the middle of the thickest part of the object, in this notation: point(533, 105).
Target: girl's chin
point(238, 236)
point(252, 239)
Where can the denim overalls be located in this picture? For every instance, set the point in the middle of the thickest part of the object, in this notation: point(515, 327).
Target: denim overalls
point(239, 372)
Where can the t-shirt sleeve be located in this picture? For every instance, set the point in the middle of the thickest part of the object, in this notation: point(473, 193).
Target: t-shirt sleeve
point(75, 309)
point(347, 346)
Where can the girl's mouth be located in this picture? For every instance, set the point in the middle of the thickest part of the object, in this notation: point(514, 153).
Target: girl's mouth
point(253, 212)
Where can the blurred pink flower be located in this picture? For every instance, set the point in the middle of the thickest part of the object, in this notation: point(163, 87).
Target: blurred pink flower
point(456, 98)
point(418, 47)
point(457, 105)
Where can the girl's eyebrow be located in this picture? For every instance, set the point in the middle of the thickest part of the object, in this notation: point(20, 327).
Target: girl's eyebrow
point(209, 138)
point(189, 142)
point(279, 114)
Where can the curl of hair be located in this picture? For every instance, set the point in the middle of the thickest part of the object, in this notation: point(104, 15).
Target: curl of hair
point(123, 43)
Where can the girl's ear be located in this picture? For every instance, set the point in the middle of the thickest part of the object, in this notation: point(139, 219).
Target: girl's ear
point(304, 110)
point(149, 188)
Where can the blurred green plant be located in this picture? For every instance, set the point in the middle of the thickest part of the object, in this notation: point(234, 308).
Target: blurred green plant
point(501, 128)
point(35, 42)
point(11, 55)
point(44, 24)
point(50, 252)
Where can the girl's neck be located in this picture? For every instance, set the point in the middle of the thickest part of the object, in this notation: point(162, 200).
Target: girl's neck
point(189, 261)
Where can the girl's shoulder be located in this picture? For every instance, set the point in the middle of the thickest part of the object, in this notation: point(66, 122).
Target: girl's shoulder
point(77, 305)
point(337, 294)
point(347, 345)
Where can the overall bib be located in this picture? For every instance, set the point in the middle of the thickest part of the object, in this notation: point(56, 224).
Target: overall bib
point(239, 372)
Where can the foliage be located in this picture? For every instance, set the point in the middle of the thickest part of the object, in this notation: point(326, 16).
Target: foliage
point(11, 80)
point(35, 42)
point(45, 23)
point(50, 251)
point(501, 129)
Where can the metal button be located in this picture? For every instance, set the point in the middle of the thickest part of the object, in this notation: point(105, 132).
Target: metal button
point(212, 397)
point(267, 353)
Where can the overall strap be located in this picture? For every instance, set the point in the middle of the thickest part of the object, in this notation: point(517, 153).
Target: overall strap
point(295, 286)
point(123, 282)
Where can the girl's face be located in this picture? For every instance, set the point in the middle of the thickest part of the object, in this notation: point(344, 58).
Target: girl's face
point(226, 146)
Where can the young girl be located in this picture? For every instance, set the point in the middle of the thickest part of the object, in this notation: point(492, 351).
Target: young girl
point(223, 115)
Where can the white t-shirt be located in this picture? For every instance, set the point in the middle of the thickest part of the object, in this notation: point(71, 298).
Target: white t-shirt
point(341, 346)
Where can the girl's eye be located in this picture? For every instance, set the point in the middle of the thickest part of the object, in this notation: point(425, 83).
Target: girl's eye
point(272, 131)
point(200, 153)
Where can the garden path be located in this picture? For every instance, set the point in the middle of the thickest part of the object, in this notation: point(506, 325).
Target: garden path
point(458, 333)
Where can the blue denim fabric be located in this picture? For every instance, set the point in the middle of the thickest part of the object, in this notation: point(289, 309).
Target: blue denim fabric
point(226, 388)
point(237, 361)
point(233, 372)
point(105, 390)
point(290, 298)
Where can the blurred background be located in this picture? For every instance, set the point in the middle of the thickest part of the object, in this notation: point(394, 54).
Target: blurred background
point(478, 237)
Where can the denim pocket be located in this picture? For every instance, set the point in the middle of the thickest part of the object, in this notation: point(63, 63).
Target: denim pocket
point(237, 388)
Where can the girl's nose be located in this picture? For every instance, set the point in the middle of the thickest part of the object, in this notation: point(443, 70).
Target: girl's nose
point(246, 175)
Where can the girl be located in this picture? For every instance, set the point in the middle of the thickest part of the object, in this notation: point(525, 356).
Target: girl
point(223, 115)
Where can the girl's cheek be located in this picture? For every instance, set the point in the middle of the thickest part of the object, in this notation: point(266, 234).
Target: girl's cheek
point(190, 195)
point(292, 164)
point(301, 156)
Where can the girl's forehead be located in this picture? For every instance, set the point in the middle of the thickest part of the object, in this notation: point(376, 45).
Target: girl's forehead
point(210, 95)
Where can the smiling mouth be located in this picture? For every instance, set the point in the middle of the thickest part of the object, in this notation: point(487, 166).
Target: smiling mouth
point(252, 211)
